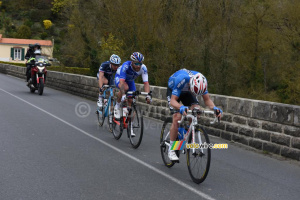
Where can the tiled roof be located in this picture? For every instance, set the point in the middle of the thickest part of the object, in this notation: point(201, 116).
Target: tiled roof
point(24, 41)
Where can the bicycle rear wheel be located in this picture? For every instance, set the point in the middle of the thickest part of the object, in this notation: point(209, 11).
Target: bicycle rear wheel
point(165, 142)
point(135, 124)
point(198, 160)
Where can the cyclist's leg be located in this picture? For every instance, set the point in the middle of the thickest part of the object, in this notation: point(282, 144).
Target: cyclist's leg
point(174, 126)
point(131, 87)
point(105, 82)
point(120, 94)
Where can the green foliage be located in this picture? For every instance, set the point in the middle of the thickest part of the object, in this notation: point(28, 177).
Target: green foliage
point(44, 35)
point(72, 70)
point(24, 32)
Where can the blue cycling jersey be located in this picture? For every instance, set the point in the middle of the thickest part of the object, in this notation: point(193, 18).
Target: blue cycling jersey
point(179, 81)
point(128, 74)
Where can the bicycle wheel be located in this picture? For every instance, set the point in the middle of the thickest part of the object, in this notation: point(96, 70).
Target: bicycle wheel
point(165, 142)
point(198, 160)
point(117, 126)
point(101, 115)
point(135, 124)
point(110, 115)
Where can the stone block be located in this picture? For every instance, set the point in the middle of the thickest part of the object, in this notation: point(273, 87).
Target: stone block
point(261, 110)
point(290, 153)
point(272, 127)
point(296, 116)
point(239, 106)
point(273, 148)
point(240, 139)
point(212, 131)
point(232, 128)
point(227, 117)
point(257, 144)
point(292, 130)
point(282, 114)
point(239, 120)
point(254, 123)
point(280, 139)
point(296, 143)
point(264, 135)
point(226, 136)
point(246, 131)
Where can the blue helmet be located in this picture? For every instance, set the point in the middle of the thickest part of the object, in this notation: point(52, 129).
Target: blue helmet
point(137, 57)
point(115, 59)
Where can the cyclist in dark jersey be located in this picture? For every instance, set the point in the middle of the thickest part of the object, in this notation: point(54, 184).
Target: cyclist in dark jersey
point(105, 75)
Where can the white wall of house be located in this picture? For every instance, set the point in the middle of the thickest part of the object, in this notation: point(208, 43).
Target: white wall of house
point(17, 52)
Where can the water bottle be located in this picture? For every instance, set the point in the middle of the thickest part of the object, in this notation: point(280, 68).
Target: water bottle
point(125, 111)
point(181, 132)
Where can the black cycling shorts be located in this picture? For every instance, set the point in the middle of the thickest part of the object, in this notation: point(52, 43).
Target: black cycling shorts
point(186, 98)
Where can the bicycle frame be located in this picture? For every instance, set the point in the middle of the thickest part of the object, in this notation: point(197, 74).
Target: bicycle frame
point(191, 130)
point(106, 112)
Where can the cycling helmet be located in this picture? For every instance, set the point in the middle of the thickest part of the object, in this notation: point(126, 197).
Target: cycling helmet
point(137, 57)
point(115, 59)
point(198, 84)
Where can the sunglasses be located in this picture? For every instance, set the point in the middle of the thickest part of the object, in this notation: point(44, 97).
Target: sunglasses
point(138, 64)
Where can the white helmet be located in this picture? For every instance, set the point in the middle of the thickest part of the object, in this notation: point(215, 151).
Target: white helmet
point(198, 84)
point(115, 59)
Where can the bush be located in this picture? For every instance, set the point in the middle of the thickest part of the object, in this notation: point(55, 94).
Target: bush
point(24, 32)
point(44, 35)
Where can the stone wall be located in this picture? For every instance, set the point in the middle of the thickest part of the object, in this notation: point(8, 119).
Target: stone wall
point(267, 126)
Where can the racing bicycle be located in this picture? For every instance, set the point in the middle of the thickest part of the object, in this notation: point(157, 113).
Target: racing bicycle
point(198, 159)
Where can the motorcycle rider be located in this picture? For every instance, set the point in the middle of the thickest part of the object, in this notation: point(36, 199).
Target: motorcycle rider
point(31, 54)
point(31, 63)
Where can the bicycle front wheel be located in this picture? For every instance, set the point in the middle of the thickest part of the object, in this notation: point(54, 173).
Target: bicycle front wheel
point(135, 127)
point(101, 115)
point(118, 126)
point(198, 159)
point(110, 115)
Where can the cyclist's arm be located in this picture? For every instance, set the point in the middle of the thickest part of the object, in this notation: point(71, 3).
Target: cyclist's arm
point(146, 87)
point(174, 103)
point(208, 102)
point(101, 78)
point(145, 79)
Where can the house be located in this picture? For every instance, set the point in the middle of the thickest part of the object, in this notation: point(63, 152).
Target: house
point(14, 50)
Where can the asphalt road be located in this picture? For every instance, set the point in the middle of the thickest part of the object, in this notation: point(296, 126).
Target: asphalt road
point(50, 151)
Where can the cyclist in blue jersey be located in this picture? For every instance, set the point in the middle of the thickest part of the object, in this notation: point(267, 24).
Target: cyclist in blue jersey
point(184, 85)
point(125, 76)
point(105, 75)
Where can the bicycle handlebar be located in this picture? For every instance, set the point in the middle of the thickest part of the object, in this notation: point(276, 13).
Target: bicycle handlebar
point(137, 93)
point(196, 111)
point(108, 86)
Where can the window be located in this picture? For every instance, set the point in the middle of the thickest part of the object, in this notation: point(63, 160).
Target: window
point(17, 54)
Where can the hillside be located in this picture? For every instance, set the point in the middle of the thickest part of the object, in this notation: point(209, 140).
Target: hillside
point(245, 48)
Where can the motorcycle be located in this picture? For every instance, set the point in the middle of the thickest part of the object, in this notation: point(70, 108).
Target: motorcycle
point(38, 75)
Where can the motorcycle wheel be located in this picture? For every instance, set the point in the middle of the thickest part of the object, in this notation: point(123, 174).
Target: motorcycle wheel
point(41, 87)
